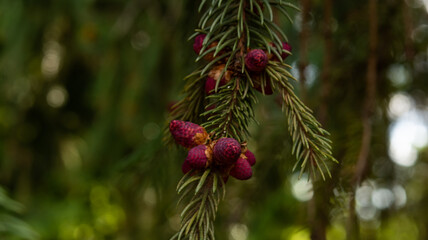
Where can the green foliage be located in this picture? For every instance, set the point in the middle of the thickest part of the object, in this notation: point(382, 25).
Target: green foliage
point(12, 227)
point(117, 65)
point(310, 144)
point(203, 192)
point(236, 27)
point(232, 110)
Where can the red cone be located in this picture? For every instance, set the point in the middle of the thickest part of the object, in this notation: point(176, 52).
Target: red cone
point(287, 47)
point(226, 151)
point(242, 170)
point(256, 60)
point(187, 134)
point(186, 167)
point(250, 157)
point(198, 157)
point(197, 45)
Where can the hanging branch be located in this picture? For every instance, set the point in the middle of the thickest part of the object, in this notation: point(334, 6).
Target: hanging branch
point(237, 39)
point(310, 144)
point(203, 193)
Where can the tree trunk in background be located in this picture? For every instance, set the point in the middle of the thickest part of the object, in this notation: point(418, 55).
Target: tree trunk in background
point(319, 207)
point(304, 37)
point(326, 70)
point(369, 105)
point(408, 27)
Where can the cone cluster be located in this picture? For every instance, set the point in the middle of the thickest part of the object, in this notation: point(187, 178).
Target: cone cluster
point(256, 61)
point(225, 155)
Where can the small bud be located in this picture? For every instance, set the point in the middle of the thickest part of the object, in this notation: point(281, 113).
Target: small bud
point(287, 47)
point(226, 151)
point(185, 167)
point(258, 85)
point(242, 169)
point(198, 157)
point(250, 157)
point(188, 134)
point(256, 60)
point(197, 45)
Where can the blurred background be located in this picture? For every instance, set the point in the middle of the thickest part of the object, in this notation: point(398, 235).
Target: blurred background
point(85, 87)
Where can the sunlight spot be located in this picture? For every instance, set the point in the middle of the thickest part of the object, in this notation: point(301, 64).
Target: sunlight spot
point(382, 198)
point(302, 189)
point(400, 196)
point(398, 75)
point(399, 105)
point(311, 73)
point(407, 135)
point(238, 232)
point(56, 96)
point(363, 196)
point(366, 213)
point(425, 2)
point(51, 60)
point(302, 234)
point(70, 155)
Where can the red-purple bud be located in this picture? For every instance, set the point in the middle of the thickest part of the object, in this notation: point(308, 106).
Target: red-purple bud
point(226, 151)
point(256, 60)
point(267, 88)
point(187, 134)
point(250, 157)
point(198, 157)
point(210, 85)
point(185, 167)
point(197, 45)
point(287, 47)
point(242, 170)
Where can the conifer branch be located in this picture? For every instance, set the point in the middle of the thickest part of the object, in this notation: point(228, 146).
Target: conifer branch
point(230, 28)
point(232, 112)
point(310, 144)
point(203, 190)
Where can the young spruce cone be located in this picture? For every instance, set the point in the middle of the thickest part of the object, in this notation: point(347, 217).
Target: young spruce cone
point(242, 169)
point(256, 60)
point(250, 157)
point(188, 134)
point(198, 157)
point(226, 151)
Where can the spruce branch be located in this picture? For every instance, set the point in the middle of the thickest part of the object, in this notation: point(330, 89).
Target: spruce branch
point(203, 190)
point(232, 112)
point(191, 106)
point(310, 143)
point(231, 28)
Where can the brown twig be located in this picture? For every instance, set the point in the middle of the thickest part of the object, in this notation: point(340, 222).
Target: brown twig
point(369, 105)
